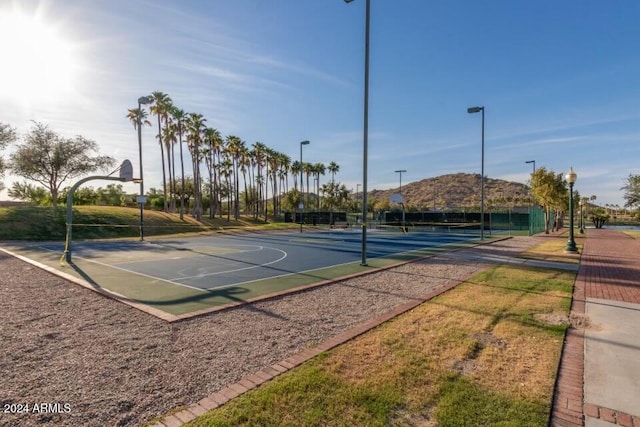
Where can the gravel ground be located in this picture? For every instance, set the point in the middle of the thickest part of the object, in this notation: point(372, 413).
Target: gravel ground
point(107, 364)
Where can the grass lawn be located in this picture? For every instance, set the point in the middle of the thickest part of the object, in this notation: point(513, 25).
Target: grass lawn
point(482, 354)
point(553, 250)
point(633, 233)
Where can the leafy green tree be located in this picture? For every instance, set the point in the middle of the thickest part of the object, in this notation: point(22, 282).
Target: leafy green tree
point(550, 192)
point(7, 136)
point(112, 195)
point(28, 193)
point(49, 159)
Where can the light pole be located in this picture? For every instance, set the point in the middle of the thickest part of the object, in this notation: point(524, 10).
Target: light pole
point(581, 203)
point(473, 110)
point(571, 178)
point(435, 194)
point(400, 192)
point(142, 100)
point(365, 130)
point(534, 164)
point(301, 205)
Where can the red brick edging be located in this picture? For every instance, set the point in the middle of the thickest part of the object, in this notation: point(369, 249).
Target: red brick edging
point(567, 405)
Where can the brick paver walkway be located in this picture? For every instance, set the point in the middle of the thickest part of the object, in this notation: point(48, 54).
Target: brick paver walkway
point(609, 269)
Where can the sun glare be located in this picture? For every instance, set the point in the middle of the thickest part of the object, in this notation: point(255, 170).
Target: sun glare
point(38, 63)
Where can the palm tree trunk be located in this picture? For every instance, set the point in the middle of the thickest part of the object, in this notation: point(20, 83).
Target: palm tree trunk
point(183, 189)
point(164, 177)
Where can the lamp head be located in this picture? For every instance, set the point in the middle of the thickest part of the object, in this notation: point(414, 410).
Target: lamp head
point(304, 142)
point(144, 100)
point(571, 176)
point(472, 110)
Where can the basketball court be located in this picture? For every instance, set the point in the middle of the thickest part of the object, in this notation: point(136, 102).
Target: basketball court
point(184, 276)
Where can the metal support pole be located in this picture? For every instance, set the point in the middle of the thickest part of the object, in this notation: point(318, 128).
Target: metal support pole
point(365, 133)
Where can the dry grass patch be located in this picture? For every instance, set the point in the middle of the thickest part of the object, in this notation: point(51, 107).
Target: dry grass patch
point(485, 352)
point(553, 250)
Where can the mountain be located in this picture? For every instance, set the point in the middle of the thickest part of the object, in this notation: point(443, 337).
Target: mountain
point(461, 190)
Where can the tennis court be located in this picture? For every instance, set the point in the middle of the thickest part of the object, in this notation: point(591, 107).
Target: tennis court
point(182, 276)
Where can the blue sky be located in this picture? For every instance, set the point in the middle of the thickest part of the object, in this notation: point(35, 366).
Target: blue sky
point(558, 79)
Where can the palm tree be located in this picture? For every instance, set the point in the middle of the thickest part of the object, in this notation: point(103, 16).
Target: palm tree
point(195, 127)
point(333, 168)
point(318, 169)
point(283, 173)
point(161, 104)
point(214, 141)
point(226, 169)
point(138, 115)
point(179, 116)
point(259, 159)
point(234, 146)
point(307, 168)
point(296, 168)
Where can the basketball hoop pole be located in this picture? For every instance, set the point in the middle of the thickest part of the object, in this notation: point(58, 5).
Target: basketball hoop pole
point(126, 172)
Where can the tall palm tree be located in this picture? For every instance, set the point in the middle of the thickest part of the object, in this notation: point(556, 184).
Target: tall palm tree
point(333, 168)
point(226, 169)
point(138, 115)
point(283, 173)
point(161, 103)
point(259, 155)
point(195, 127)
point(179, 116)
point(234, 147)
point(318, 169)
point(245, 164)
point(307, 168)
point(296, 168)
point(213, 141)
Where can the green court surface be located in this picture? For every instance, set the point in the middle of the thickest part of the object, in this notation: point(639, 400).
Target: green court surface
point(178, 278)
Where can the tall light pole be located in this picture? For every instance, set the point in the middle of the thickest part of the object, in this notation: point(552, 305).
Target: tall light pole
point(400, 192)
point(301, 205)
point(581, 203)
point(571, 178)
point(365, 130)
point(142, 100)
point(534, 164)
point(473, 110)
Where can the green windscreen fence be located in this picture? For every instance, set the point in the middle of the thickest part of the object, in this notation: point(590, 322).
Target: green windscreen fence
point(536, 220)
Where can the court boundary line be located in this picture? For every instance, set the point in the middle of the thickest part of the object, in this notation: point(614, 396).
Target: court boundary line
point(107, 293)
point(237, 269)
point(129, 271)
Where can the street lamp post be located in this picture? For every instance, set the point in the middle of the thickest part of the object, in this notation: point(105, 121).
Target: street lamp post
point(301, 205)
point(571, 178)
point(534, 164)
point(400, 192)
point(365, 130)
point(142, 100)
point(581, 203)
point(473, 110)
